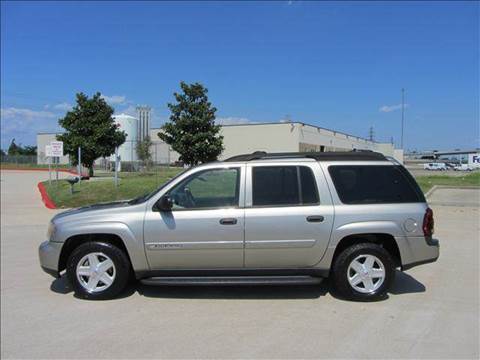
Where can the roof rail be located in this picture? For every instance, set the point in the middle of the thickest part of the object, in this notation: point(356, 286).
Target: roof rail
point(355, 155)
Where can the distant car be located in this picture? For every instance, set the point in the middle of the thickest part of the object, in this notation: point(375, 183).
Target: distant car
point(463, 167)
point(435, 166)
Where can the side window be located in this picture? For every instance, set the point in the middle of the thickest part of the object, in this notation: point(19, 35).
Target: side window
point(308, 186)
point(283, 186)
point(356, 184)
point(214, 188)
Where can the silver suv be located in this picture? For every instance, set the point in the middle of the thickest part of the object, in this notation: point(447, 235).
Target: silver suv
point(284, 218)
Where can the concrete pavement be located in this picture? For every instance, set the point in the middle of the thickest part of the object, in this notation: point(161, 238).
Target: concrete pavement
point(432, 312)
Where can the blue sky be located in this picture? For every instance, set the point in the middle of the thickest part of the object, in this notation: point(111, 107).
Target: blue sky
point(338, 65)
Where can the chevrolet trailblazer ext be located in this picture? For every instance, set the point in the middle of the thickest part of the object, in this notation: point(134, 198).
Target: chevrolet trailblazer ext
point(285, 218)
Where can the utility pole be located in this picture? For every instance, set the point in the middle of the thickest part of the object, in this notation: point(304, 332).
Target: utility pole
point(403, 116)
point(371, 134)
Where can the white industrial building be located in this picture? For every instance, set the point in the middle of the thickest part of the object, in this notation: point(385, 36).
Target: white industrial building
point(293, 137)
point(237, 139)
point(290, 137)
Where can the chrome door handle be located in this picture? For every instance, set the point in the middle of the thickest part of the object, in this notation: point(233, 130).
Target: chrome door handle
point(228, 221)
point(315, 218)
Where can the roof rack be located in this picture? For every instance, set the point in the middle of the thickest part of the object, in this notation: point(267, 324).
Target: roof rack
point(354, 155)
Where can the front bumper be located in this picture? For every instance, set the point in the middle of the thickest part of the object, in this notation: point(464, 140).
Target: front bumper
point(418, 251)
point(49, 254)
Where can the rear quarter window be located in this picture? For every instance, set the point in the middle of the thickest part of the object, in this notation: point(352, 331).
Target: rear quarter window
point(374, 184)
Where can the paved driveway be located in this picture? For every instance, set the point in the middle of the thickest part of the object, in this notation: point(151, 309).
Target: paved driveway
point(432, 311)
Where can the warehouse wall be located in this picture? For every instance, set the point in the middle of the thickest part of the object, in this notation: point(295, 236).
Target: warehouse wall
point(244, 139)
point(330, 140)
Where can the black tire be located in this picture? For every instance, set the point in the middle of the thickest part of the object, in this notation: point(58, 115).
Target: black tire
point(121, 266)
point(341, 263)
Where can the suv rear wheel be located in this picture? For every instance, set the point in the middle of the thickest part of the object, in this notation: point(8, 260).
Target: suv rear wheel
point(98, 270)
point(363, 272)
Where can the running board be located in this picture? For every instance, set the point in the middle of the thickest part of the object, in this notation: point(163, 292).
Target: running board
point(231, 280)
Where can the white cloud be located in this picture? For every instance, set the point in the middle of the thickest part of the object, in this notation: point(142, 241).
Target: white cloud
point(24, 124)
point(390, 108)
point(233, 120)
point(130, 110)
point(115, 99)
point(11, 112)
point(63, 106)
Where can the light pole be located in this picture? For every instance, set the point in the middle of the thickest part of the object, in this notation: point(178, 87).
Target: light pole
point(403, 117)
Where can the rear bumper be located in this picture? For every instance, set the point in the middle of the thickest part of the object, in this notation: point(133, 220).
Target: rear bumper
point(49, 254)
point(419, 250)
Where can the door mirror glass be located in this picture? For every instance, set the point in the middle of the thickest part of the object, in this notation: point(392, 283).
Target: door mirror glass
point(164, 204)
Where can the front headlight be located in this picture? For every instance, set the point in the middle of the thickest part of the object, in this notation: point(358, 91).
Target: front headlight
point(51, 231)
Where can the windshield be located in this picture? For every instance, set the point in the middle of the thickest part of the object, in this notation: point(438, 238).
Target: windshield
point(149, 195)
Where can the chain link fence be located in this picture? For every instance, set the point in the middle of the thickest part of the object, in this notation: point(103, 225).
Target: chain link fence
point(135, 176)
point(19, 160)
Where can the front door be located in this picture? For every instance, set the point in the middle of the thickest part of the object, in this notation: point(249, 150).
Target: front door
point(288, 215)
point(205, 228)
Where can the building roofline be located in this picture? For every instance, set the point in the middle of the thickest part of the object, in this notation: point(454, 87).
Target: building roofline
point(296, 122)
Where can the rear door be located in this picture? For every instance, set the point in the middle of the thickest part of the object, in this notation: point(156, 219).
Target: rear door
point(288, 215)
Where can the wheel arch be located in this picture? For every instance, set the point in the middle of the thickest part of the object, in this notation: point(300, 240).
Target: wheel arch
point(387, 241)
point(76, 240)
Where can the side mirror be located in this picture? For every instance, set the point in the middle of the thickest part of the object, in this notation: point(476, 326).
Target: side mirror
point(164, 204)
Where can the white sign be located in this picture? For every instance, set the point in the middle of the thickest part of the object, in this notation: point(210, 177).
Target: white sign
point(48, 151)
point(56, 148)
point(474, 160)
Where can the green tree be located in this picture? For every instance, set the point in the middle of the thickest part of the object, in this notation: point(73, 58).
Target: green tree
point(29, 150)
point(192, 131)
point(13, 149)
point(143, 151)
point(90, 126)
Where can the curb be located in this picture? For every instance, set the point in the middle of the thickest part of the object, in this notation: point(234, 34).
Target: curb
point(430, 192)
point(38, 169)
point(436, 187)
point(45, 198)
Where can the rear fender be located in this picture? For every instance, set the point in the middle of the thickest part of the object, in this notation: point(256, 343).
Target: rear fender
point(359, 228)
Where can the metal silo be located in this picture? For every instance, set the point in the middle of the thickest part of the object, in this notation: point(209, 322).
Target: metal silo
point(129, 124)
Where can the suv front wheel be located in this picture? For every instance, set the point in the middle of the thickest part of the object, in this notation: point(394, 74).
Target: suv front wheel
point(363, 272)
point(98, 270)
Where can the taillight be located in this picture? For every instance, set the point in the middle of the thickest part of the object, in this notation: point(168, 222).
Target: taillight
point(428, 222)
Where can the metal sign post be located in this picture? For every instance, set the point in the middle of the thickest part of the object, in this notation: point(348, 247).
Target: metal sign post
point(48, 154)
point(54, 151)
point(57, 160)
point(49, 171)
point(116, 166)
point(79, 164)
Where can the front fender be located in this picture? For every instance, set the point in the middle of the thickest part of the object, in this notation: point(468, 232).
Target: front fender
point(133, 244)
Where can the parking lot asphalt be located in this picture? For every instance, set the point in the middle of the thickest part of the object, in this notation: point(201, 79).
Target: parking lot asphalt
point(432, 311)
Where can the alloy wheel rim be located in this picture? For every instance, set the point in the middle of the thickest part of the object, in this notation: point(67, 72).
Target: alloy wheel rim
point(96, 272)
point(366, 273)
